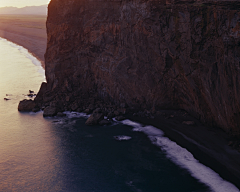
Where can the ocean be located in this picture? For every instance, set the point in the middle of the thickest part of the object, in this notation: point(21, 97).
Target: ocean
point(63, 154)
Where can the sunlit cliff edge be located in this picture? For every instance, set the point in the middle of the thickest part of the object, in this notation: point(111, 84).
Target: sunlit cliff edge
point(145, 55)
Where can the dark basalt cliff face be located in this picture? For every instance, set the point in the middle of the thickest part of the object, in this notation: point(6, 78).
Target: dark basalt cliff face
point(146, 55)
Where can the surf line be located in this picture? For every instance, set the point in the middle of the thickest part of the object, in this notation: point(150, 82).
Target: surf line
point(27, 54)
point(184, 158)
point(179, 155)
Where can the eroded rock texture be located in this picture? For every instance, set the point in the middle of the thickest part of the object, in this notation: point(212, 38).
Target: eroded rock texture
point(147, 54)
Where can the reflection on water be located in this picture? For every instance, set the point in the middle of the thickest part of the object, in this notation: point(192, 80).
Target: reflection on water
point(27, 148)
point(27, 154)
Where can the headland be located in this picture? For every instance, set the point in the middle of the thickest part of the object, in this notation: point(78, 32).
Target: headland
point(140, 57)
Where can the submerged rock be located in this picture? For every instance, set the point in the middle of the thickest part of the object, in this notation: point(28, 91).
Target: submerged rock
point(26, 105)
point(50, 111)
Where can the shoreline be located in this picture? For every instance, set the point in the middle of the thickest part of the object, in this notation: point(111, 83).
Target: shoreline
point(208, 145)
point(225, 163)
point(32, 53)
point(26, 31)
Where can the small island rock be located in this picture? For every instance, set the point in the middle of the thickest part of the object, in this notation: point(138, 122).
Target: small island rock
point(26, 105)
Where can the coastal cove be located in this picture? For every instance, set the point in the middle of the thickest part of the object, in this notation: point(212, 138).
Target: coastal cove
point(62, 154)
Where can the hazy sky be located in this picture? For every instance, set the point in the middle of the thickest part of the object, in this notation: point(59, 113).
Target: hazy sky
point(22, 3)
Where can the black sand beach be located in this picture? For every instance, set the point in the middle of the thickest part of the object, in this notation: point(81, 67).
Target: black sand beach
point(208, 145)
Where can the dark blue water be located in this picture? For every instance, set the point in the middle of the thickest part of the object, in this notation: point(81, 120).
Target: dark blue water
point(92, 160)
point(62, 154)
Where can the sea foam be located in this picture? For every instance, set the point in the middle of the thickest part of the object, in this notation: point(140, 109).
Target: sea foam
point(122, 138)
point(75, 114)
point(184, 158)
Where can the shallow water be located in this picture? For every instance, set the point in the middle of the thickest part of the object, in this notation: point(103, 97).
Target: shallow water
point(62, 154)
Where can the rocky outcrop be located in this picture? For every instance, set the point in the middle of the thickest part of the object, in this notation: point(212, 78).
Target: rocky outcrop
point(26, 105)
point(96, 117)
point(120, 118)
point(50, 111)
point(146, 55)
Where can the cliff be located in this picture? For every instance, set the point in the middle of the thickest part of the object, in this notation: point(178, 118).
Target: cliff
point(145, 55)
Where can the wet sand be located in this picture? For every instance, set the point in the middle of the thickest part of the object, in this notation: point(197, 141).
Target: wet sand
point(28, 31)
